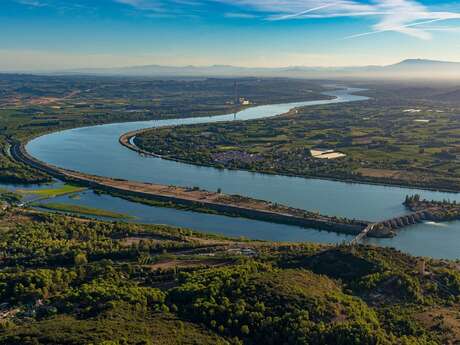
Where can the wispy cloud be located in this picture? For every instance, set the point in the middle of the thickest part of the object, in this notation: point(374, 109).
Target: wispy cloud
point(32, 3)
point(422, 33)
point(403, 16)
point(60, 6)
point(442, 28)
point(239, 15)
point(143, 4)
point(303, 13)
point(165, 8)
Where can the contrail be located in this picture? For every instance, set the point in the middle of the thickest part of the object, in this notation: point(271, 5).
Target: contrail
point(288, 16)
point(395, 28)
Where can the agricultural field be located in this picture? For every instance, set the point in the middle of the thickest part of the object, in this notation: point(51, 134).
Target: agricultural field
point(412, 142)
point(53, 192)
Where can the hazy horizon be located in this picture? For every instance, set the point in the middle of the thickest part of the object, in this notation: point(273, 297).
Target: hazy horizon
point(54, 35)
point(124, 66)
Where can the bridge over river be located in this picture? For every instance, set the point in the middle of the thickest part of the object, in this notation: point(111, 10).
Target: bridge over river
point(392, 224)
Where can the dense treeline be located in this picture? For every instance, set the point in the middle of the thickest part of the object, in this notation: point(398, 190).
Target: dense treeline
point(9, 197)
point(264, 306)
point(51, 240)
point(444, 210)
point(75, 281)
point(14, 172)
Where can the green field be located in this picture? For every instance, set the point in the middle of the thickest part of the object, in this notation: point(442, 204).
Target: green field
point(52, 192)
point(69, 208)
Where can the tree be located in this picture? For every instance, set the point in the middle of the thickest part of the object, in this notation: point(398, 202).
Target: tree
point(80, 259)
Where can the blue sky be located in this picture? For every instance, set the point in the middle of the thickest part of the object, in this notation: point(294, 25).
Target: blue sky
point(55, 34)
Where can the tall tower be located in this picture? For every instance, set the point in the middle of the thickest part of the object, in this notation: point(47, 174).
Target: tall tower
point(237, 95)
point(421, 266)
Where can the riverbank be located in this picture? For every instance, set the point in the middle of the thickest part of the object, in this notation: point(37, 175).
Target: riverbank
point(197, 198)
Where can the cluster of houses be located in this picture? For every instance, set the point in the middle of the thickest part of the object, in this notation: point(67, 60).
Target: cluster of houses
point(235, 156)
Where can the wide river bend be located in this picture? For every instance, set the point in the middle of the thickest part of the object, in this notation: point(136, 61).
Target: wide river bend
point(96, 150)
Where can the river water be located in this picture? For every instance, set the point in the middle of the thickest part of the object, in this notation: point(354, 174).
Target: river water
point(96, 150)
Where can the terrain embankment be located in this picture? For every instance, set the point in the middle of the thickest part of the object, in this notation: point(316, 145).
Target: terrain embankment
point(126, 139)
point(198, 199)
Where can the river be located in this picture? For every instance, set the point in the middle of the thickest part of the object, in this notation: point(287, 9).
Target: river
point(96, 150)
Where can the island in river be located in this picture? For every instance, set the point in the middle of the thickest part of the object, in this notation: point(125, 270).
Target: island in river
point(412, 144)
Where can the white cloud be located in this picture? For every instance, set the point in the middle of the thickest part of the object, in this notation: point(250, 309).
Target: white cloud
point(301, 8)
point(143, 4)
point(164, 8)
point(239, 15)
point(32, 3)
point(303, 13)
point(442, 28)
point(403, 16)
point(407, 29)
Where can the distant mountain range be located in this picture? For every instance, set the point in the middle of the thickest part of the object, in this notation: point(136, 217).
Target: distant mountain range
point(411, 68)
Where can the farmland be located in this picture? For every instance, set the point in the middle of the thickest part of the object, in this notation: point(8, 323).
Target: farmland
point(376, 142)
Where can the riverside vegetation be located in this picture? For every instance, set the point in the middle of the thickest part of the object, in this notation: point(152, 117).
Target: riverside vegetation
point(66, 280)
point(437, 210)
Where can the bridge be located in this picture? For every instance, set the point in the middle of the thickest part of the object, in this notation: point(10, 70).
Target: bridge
point(410, 219)
point(363, 234)
point(392, 224)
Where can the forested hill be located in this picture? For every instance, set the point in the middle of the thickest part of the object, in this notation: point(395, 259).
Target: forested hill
point(67, 280)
